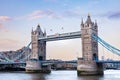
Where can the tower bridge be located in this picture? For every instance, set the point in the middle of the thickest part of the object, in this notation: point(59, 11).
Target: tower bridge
point(86, 66)
point(89, 64)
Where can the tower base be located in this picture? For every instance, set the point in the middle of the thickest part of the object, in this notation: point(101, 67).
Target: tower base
point(88, 68)
point(36, 67)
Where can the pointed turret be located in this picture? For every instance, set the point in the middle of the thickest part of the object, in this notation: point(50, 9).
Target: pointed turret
point(38, 29)
point(44, 32)
point(32, 30)
point(95, 22)
point(82, 22)
point(89, 20)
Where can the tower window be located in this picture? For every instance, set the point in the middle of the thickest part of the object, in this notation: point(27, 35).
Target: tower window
point(95, 56)
point(40, 57)
point(95, 27)
point(39, 33)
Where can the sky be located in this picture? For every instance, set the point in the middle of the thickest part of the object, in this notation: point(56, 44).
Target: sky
point(18, 17)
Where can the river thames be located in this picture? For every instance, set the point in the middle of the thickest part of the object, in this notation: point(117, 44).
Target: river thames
point(59, 75)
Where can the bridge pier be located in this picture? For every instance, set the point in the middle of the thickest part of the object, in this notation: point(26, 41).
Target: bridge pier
point(88, 68)
point(87, 65)
point(33, 66)
point(36, 66)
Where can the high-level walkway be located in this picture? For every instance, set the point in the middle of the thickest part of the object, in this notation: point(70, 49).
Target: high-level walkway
point(62, 36)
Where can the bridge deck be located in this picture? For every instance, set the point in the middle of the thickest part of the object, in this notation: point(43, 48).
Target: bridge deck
point(12, 62)
point(40, 62)
point(102, 61)
point(63, 36)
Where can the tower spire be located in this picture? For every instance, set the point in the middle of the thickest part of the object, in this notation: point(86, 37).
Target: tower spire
point(32, 29)
point(88, 19)
point(38, 25)
point(88, 14)
point(95, 22)
point(82, 23)
point(44, 32)
point(38, 29)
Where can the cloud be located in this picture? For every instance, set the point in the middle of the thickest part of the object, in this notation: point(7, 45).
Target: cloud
point(1, 26)
point(70, 13)
point(52, 14)
point(38, 14)
point(115, 15)
point(5, 18)
point(11, 39)
point(8, 44)
point(8, 41)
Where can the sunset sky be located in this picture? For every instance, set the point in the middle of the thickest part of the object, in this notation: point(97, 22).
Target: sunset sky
point(17, 17)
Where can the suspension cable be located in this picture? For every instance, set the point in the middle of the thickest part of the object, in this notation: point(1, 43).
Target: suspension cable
point(106, 45)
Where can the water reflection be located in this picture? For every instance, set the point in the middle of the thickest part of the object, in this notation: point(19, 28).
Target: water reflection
point(58, 75)
point(37, 76)
point(90, 78)
point(63, 75)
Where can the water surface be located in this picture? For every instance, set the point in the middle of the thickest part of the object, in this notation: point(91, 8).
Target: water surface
point(58, 75)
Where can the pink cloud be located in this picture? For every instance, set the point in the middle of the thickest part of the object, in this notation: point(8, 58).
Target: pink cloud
point(52, 14)
point(8, 41)
point(1, 26)
point(8, 44)
point(6, 30)
point(38, 14)
point(36, 17)
point(5, 18)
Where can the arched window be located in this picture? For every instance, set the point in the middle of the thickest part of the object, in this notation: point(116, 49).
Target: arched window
point(39, 33)
point(40, 57)
point(95, 56)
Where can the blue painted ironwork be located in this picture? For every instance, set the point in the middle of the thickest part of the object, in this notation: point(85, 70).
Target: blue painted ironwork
point(5, 58)
point(18, 56)
point(23, 59)
point(106, 45)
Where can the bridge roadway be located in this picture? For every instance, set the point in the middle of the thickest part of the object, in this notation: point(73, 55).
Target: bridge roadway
point(102, 61)
point(47, 61)
point(51, 62)
point(62, 36)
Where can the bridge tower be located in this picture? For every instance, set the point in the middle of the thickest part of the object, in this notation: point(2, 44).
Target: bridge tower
point(87, 64)
point(38, 51)
point(38, 47)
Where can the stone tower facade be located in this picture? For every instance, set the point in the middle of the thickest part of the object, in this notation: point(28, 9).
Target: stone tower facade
point(89, 45)
point(38, 47)
point(87, 64)
point(38, 52)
